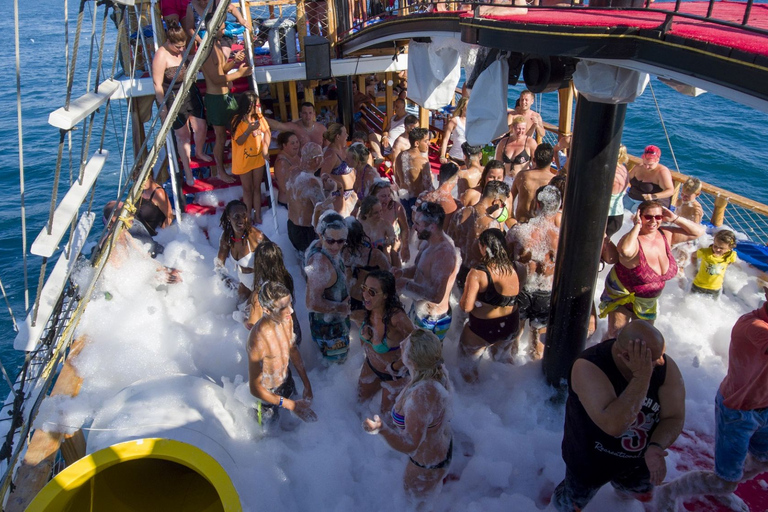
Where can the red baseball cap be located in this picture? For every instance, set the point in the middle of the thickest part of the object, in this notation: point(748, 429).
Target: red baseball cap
point(652, 150)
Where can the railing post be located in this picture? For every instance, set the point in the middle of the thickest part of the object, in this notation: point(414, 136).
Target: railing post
point(718, 213)
point(565, 119)
point(301, 22)
point(331, 20)
point(675, 200)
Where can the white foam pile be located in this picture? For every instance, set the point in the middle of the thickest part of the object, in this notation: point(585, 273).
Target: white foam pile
point(169, 361)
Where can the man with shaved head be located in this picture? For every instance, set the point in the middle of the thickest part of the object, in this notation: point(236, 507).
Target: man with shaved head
point(626, 406)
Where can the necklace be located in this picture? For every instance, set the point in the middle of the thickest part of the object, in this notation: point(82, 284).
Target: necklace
point(236, 240)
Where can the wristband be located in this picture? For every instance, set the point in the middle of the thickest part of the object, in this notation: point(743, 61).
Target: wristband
point(281, 402)
point(675, 219)
point(654, 443)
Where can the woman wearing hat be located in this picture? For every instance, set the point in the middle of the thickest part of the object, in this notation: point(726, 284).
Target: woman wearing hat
point(650, 181)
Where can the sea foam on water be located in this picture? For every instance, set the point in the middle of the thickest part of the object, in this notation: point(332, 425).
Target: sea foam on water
point(160, 355)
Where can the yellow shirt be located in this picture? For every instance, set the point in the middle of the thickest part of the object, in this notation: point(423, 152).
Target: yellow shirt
point(712, 268)
point(247, 157)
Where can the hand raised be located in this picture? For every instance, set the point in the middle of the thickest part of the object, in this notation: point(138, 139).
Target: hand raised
point(637, 357)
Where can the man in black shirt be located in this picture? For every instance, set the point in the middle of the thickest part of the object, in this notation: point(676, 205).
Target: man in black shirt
point(626, 406)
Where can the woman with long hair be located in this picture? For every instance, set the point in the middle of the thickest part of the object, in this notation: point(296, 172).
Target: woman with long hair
point(360, 257)
point(517, 148)
point(337, 175)
point(288, 159)
point(357, 157)
point(377, 229)
point(165, 64)
point(455, 132)
point(493, 171)
point(384, 325)
point(250, 150)
point(421, 418)
point(393, 213)
point(646, 263)
point(490, 299)
point(269, 267)
point(238, 243)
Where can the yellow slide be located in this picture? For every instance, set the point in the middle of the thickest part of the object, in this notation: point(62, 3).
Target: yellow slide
point(142, 475)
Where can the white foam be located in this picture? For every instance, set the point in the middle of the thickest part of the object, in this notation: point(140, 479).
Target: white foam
point(151, 333)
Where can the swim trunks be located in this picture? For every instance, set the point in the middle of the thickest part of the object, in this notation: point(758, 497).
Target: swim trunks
point(437, 324)
point(220, 108)
point(287, 389)
point(174, 7)
point(534, 306)
point(301, 236)
point(331, 333)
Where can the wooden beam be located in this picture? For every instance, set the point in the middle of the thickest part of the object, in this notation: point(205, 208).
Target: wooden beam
point(281, 102)
point(35, 469)
point(301, 21)
point(423, 117)
point(373, 51)
point(565, 120)
point(309, 91)
point(330, 15)
point(294, 98)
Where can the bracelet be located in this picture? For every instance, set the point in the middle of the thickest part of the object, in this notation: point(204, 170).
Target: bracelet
point(675, 219)
point(281, 402)
point(654, 443)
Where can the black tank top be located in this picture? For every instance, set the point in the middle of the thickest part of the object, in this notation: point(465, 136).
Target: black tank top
point(491, 296)
point(590, 453)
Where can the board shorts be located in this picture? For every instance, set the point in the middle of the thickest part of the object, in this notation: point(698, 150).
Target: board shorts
point(301, 237)
point(269, 412)
point(439, 325)
point(220, 108)
point(331, 333)
point(616, 295)
point(493, 330)
point(534, 306)
point(192, 106)
point(736, 434)
point(573, 494)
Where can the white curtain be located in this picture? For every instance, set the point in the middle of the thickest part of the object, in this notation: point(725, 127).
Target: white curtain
point(433, 74)
point(487, 107)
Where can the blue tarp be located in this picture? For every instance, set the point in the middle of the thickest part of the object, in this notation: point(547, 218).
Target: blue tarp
point(754, 254)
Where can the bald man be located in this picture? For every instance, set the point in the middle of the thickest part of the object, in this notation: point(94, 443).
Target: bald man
point(626, 406)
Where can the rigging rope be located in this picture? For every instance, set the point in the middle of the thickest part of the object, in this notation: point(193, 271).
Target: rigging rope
point(669, 142)
point(73, 60)
point(22, 185)
point(7, 303)
point(131, 75)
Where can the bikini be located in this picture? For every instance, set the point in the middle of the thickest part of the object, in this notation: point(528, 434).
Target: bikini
point(246, 279)
point(380, 348)
point(521, 158)
point(639, 188)
point(149, 214)
point(399, 421)
point(493, 330)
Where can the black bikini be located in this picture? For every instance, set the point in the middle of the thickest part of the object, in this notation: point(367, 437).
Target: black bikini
point(491, 296)
point(493, 330)
point(521, 158)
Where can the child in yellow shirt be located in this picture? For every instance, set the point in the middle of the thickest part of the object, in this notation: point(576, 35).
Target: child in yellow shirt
point(250, 150)
point(714, 260)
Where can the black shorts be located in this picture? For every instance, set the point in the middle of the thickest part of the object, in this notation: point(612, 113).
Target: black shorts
point(573, 494)
point(534, 306)
point(493, 330)
point(192, 106)
point(301, 236)
point(286, 390)
point(614, 224)
point(703, 291)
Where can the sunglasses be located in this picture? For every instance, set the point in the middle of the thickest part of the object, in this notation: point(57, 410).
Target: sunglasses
point(331, 241)
point(653, 217)
point(369, 291)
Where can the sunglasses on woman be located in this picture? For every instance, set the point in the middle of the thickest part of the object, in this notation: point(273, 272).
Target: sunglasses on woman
point(653, 217)
point(332, 241)
point(369, 291)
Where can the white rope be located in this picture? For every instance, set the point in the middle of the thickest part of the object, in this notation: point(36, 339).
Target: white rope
point(22, 186)
point(249, 53)
point(131, 75)
point(669, 142)
point(8, 304)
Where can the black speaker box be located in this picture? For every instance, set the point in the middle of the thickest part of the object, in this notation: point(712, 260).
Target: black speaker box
point(317, 57)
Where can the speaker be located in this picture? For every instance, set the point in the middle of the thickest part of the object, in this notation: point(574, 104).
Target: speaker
point(317, 58)
point(547, 74)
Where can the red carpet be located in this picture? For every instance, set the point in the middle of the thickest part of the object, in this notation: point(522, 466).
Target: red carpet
point(691, 29)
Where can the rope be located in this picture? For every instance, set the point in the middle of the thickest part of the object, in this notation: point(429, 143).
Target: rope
point(131, 75)
point(73, 60)
point(669, 142)
point(7, 378)
point(22, 185)
point(7, 303)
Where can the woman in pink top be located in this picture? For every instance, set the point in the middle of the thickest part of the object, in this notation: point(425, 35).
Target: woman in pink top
point(645, 264)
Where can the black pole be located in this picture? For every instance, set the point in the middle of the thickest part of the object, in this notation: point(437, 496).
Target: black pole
point(596, 139)
point(345, 102)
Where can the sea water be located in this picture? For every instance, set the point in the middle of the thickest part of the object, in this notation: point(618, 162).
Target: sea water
point(517, 455)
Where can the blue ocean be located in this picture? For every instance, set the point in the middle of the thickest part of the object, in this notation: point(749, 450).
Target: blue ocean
point(715, 139)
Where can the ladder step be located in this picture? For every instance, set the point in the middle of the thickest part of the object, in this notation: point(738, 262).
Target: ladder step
point(45, 245)
point(83, 106)
point(28, 335)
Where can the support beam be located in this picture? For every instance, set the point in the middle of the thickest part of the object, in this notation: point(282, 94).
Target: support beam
point(592, 163)
point(344, 87)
